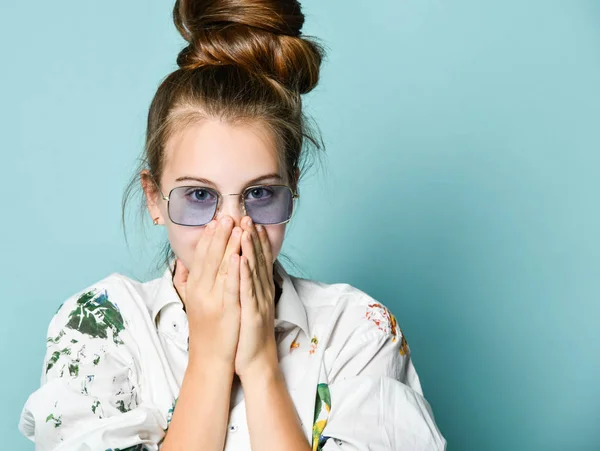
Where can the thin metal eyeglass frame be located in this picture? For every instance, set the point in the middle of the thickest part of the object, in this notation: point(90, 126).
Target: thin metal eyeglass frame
point(219, 201)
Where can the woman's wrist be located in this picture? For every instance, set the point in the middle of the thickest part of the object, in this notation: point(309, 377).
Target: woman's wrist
point(200, 362)
point(262, 372)
point(200, 418)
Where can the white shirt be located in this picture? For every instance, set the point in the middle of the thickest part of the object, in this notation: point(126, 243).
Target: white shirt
point(117, 353)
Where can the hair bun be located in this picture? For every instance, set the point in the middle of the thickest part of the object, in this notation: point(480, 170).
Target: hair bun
point(262, 36)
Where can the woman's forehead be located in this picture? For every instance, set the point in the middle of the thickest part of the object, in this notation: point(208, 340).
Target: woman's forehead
point(224, 153)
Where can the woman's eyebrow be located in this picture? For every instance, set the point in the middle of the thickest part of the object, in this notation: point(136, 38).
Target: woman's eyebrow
point(274, 176)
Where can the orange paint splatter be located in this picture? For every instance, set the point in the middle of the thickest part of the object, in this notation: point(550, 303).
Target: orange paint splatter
point(294, 345)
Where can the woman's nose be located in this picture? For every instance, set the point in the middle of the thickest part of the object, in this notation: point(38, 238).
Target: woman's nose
point(231, 206)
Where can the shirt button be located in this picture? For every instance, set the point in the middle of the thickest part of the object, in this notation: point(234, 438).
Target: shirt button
point(233, 428)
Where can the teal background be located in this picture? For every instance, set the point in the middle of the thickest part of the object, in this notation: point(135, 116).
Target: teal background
point(461, 189)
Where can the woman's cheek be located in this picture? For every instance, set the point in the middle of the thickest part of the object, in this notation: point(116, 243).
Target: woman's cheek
point(276, 234)
point(183, 241)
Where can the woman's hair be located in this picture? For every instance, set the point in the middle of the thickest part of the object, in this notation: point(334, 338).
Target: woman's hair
point(246, 62)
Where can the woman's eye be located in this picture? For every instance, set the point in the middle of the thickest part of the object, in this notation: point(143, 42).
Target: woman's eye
point(199, 195)
point(259, 193)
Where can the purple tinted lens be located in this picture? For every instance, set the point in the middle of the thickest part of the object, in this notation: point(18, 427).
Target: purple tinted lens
point(192, 205)
point(269, 204)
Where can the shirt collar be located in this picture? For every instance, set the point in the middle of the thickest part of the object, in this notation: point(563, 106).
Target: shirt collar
point(289, 309)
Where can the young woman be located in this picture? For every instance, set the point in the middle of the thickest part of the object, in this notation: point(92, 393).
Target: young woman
point(227, 350)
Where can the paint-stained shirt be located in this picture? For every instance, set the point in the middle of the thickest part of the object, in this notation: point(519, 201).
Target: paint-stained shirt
point(116, 354)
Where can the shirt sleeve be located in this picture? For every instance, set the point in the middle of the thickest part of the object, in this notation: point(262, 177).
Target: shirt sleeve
point(90, 398)
point(373, 400)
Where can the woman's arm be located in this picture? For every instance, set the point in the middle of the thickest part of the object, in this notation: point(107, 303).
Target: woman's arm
point(90, 392)
point(270, 412)
point(201, 414)
point(210, 294)
point(373, 394)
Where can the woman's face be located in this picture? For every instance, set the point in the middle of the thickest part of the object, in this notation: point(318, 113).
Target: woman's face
point(228, 158)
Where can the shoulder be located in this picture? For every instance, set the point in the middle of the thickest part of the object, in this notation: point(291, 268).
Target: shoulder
point(103, 309)
point(99, 328)
point(115, 293)
point(360, 334)
point(346, 308)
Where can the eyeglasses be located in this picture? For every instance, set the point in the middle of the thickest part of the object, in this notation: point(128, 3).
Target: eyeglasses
point(198, 205)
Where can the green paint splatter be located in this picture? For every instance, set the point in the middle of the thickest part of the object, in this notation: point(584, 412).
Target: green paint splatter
point(73, 340)
point(56, 339)
point(52, 360)
point(55, 357)
point(57, 421)
point(96, 360)
point(74, 369)
point(323, 396)
point(94, 315)
point(95, 405)
point(322, 409)
point(170, 412)
point(121, 406)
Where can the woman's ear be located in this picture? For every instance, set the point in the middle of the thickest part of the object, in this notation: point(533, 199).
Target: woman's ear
point(152, 196)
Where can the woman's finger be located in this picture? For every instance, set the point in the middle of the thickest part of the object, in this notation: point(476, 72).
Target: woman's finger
point(214, 257)
point(231, 295)
point(268, 254)
point(259, 257)
point(201, 249)
point(248, 252)
point(248, 298)
point(233, 247)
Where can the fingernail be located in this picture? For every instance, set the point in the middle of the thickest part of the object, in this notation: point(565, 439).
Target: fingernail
point(259, 227)
point(249, 222)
